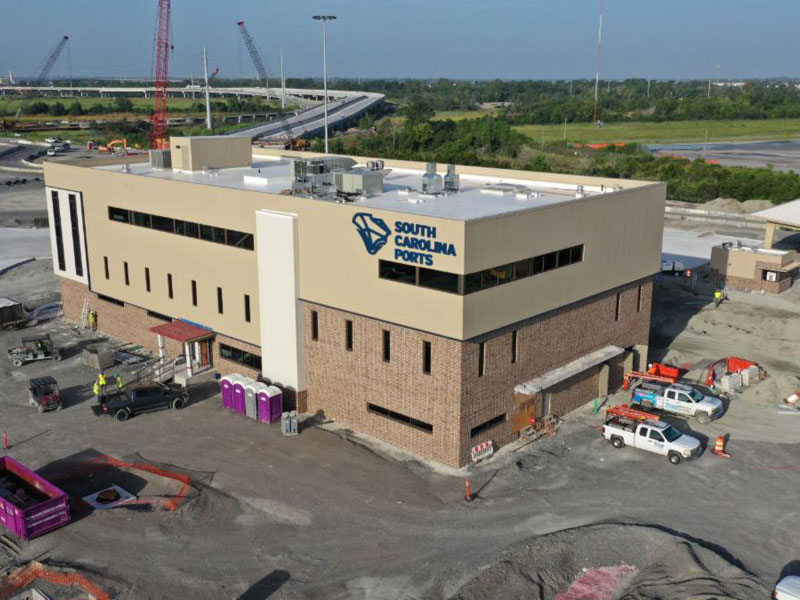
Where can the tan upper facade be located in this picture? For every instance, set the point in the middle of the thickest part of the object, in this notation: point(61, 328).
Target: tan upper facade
point(620, 233)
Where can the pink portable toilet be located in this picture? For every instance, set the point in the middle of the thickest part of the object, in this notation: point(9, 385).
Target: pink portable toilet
point(239, 394)
point(226, 388)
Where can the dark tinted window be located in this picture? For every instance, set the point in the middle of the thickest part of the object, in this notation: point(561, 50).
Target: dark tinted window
point(564, 257)
point(472, 283)
point(438, 280)
point(141, 219)
point(549, 261)
point(187, 228)
point(57, 230)
point(240, 356)
point(397, 271)
point(118, 214)
point(163, 224)
point(523, 268)
point(212, 234)
point(538, 264)
point(576, 253)
point(239, 239)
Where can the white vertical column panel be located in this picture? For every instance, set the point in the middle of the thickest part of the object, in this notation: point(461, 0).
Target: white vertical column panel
point(282, 357)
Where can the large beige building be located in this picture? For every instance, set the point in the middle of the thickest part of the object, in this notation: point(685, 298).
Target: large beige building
point(434, 310)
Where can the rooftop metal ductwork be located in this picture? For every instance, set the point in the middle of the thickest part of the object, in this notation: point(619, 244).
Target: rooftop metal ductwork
point(431, 180)
point(451, 179)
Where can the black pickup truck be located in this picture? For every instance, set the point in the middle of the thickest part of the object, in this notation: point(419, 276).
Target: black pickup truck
point(139, 398)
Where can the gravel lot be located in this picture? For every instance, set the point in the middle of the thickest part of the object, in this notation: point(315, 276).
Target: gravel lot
point(330, 515)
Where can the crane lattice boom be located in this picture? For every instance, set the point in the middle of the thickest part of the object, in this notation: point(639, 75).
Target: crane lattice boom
point(254, 53)
point(161, 81)
point(51, 60)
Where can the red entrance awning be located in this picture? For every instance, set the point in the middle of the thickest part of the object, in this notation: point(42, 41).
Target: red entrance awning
point(181, 331)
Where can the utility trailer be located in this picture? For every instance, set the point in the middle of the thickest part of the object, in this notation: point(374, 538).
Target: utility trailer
point(30, 505)
point(11, 314)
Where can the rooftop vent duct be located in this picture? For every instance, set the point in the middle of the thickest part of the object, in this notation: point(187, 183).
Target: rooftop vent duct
point(161, 159)
point(431, 181)
point(451, 179)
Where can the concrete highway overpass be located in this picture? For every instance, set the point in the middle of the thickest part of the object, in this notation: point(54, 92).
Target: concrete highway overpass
point(343, 106)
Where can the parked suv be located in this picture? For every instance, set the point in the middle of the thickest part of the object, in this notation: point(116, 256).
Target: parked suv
point(139, 398)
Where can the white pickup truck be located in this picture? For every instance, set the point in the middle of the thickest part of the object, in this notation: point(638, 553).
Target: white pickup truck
point(653, 436)
point(678, 399)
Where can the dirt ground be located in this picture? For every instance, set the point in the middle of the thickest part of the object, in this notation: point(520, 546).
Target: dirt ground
point(327, 514)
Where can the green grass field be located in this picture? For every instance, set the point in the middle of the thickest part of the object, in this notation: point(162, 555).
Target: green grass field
point(670, 132)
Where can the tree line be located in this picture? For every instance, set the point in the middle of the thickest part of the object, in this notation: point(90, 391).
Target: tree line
point(493, 142)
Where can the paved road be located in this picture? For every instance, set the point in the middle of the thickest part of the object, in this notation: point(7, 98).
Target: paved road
point(18, 244)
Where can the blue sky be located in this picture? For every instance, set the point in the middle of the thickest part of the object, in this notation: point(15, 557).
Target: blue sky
point(521, 39)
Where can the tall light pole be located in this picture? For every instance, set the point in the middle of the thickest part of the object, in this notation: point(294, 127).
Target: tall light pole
point(325, 19)
point(209, 123)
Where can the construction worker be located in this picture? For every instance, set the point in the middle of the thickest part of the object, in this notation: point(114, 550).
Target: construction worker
point(101, 379)
point(92, 320)
point(118, 377)
point(97, 391)
point(718, 296)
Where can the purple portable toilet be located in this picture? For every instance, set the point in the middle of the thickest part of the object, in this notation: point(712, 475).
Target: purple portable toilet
point(226, 387)
point(239, 394)
point(264, 405)
point(275, 403)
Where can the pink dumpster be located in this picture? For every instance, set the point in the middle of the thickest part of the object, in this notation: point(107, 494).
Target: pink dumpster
point(270, 404)
point(226, 387)
point(30, 505)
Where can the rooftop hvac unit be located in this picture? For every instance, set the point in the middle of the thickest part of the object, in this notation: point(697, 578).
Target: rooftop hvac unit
point(431, 181)
point(359, 182)
point(451, 179)
point(161, 159)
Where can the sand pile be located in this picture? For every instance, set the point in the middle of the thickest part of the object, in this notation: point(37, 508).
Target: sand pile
point(732, 205)
point(642, 562)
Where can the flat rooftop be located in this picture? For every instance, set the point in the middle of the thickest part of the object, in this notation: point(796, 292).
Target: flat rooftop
point(401, 190)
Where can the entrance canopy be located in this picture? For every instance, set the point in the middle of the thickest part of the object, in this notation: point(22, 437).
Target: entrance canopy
point(564, 372)
point(182, 332)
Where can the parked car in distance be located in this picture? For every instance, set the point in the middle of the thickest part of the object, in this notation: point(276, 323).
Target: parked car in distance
point(787, 588)
point(52, 140)
point(138, 398)
point(52, 152)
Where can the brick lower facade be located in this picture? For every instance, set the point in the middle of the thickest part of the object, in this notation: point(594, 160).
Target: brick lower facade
point(132, 324)
point(757, 283)
point(454, 398)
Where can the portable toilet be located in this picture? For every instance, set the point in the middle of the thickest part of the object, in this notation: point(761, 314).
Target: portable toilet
point(250, 391)
point(226, 387)
point(270, 404)
point(239, 393)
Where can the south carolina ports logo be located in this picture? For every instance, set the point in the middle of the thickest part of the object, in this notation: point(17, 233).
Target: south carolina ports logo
point(373, 230)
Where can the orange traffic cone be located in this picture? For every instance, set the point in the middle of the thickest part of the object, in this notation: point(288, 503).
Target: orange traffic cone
point(468, 496)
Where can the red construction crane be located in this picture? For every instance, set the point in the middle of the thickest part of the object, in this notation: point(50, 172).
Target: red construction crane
point(158, 137)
